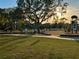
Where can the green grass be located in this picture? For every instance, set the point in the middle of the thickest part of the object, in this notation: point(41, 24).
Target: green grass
point(12, 47)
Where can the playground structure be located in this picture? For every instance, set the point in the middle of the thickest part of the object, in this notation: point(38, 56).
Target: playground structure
point(74, 24)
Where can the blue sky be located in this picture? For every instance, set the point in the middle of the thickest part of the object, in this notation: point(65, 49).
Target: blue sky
point(12, 3)
point(73, 8)
point(74, 3)
point(7, 3)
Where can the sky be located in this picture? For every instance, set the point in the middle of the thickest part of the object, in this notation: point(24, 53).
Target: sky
point(73, 4)
point(73, 8)
point(12, 3)
point(7, 3)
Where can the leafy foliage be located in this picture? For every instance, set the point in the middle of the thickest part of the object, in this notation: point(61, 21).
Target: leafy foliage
point(37, 11)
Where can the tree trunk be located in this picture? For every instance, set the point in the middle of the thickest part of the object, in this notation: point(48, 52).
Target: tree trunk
point(38, 30)
point(38, 27)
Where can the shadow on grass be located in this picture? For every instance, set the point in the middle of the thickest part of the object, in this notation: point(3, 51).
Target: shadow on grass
point(37, 41)
point(12, 42)
point(75, 38)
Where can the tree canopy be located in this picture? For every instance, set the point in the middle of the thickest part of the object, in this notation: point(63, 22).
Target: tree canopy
point(37, 11)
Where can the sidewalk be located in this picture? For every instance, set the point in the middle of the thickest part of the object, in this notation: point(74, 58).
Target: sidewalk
point(56, 37)
point(44, 36)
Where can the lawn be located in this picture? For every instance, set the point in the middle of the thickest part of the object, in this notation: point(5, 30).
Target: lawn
point(15, 47)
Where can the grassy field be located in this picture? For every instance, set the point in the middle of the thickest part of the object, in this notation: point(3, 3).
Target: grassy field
point(12, 47)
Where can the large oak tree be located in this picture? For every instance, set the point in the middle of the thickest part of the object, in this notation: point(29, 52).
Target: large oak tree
point(38, 11)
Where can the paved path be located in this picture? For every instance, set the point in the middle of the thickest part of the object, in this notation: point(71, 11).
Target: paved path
point(52, 36)
point(57, 37)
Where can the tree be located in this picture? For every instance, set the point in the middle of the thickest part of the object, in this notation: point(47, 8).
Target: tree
point(15, 16)
point(3, 19)
point(37, 11)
